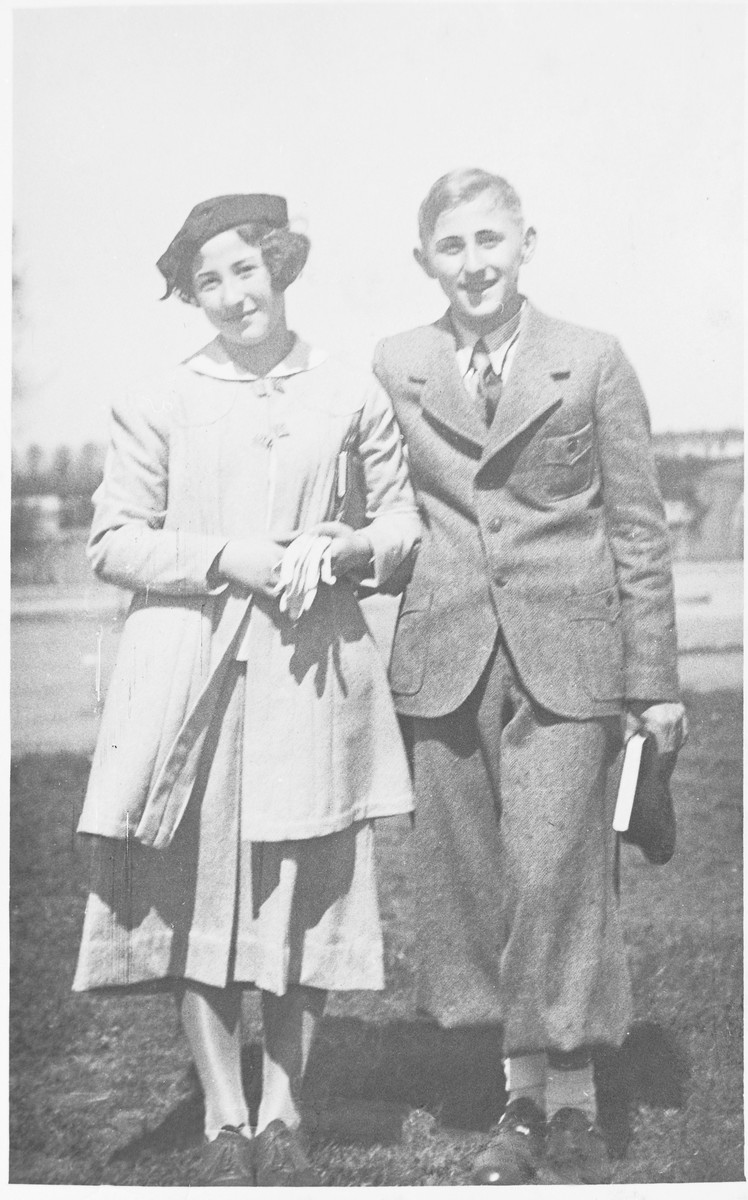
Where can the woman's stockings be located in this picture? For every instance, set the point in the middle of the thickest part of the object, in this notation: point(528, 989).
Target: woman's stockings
point(289, 1024)
point(211, 1018)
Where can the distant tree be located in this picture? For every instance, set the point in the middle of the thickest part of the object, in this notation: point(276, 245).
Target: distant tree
point(86, 471)
point(37, 481)
point(61, 473)
point(17, 475)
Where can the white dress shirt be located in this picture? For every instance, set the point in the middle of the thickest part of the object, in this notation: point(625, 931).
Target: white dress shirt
point(501, 344)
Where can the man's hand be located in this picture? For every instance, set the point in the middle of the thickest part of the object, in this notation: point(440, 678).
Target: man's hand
point(350, 549)
point(253, 564)
point(666, 722)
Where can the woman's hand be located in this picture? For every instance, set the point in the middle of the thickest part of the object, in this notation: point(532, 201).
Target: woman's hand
point(253, 564)
point(350, 550)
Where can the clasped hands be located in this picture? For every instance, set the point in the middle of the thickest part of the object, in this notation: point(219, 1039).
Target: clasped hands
point(256, 563)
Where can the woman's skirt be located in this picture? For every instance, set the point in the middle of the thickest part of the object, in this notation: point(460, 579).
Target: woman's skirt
point(215, 909)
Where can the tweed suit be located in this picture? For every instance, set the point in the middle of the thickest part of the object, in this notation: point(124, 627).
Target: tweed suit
point(540, 604)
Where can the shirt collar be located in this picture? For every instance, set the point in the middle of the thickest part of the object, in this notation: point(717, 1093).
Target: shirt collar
point(214, 360)
point(496, 340)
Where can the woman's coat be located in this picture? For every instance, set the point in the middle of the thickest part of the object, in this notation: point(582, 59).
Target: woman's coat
point(204, 455)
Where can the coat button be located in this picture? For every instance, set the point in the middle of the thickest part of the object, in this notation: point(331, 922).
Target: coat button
point(500, 581)
point(494, 524)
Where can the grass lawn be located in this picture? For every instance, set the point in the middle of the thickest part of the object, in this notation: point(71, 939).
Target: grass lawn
point(102, 1091)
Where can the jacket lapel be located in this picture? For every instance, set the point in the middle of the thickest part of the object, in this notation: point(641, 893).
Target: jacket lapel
point(536, 384)
point(443, 396)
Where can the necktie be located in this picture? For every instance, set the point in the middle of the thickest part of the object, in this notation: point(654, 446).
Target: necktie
point(488, 391)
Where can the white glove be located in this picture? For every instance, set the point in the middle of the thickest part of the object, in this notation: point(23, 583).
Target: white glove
point(306, 563)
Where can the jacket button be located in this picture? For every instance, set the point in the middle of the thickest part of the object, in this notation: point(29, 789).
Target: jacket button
point(494, 524)
point(500, 581)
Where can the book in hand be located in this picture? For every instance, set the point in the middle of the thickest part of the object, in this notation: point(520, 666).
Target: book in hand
point(632, 756)
point(644, 813)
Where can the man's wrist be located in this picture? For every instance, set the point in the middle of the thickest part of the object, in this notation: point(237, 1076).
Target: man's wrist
point(361, 556)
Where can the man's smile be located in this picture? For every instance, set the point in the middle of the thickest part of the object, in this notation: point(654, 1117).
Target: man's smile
point(476, 290)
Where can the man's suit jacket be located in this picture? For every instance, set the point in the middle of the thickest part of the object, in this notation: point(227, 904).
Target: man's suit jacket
point(549, 526)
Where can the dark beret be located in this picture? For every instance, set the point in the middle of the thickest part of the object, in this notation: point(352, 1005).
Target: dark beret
point(211, 217)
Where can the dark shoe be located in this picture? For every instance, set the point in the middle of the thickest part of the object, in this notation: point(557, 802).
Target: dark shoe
point(575, 1149)
point(228, 1160)
point(515, 1154)
point(281, 1160)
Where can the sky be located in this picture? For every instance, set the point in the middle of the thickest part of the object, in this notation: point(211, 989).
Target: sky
point(620, 124)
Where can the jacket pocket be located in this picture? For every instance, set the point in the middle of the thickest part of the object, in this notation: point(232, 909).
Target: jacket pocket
point(596, 622)
point(410, 646)
point(568, 462)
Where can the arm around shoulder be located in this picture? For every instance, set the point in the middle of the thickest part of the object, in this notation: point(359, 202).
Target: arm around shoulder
point(393, 523)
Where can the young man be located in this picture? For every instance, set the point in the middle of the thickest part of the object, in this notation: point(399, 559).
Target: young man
point(540, 611)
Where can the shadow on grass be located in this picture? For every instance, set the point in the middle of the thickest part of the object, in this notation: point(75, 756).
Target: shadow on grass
point(364, 1080)
point(649, 1069)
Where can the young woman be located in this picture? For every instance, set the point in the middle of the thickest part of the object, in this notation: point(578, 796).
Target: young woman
point(248, 739)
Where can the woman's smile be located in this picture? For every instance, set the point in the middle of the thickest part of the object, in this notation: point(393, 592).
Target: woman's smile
point(233, 287)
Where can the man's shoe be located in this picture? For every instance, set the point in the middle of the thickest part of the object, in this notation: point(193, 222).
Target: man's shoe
point(228, 1160)
point(575, 1149)
point(516, 1152)
point(281, 1159)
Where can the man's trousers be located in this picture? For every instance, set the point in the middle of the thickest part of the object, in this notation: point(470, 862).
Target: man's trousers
point(513, 856)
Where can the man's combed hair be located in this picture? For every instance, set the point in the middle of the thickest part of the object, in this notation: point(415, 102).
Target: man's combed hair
point(458, 187)
point(284, 253)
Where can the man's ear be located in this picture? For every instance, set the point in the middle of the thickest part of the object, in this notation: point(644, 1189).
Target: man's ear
point(529, 242)
point(423, 262)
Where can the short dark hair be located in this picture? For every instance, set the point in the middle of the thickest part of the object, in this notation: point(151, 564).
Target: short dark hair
point(459, 186)
point(284, 253)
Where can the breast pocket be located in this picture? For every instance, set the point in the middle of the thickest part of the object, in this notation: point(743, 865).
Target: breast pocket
point(567, 463)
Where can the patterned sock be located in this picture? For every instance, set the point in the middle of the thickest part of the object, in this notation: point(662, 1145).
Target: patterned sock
point(571, 1083)
point(525, 1077)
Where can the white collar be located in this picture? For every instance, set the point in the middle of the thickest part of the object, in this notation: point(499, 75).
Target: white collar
point(214, 360)
point(496, 341)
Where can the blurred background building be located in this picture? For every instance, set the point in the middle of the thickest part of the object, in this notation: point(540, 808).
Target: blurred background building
point(701, 475)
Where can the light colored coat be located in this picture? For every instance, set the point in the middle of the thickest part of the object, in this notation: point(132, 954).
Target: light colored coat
point(203, 455)
point(549, 525)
